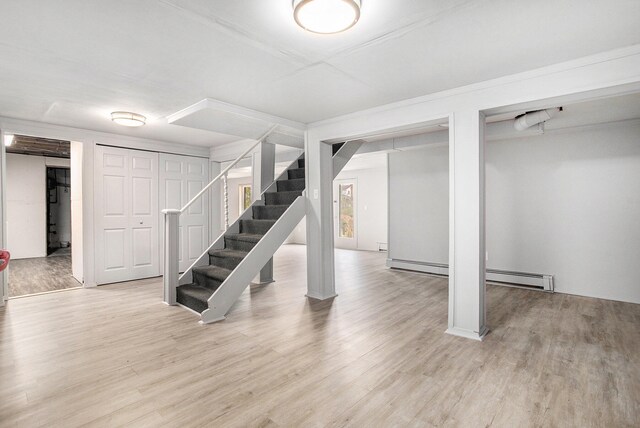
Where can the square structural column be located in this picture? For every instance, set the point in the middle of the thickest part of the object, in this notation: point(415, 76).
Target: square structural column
point(319, 191)
point(467, 310)
point(263, 167)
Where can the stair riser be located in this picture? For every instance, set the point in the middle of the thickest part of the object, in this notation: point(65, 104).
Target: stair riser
point(268, 212)
point(224, 262)
point(300, 163)
point(205, 281)
point(256, 227)
point(234, 244)
point(191, 302)
point(275, 198)
point(290, 185)
point(296, 173)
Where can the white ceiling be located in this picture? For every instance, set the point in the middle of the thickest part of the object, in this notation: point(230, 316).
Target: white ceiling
point(72, 62)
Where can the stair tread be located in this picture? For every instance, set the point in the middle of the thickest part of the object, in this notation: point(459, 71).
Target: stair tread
point(194, 292)
point(246, 237)
point(214, 272)
point(261, 220)
point(295, 180)
point(236, 254)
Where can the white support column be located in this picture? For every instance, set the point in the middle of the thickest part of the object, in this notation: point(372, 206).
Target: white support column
point(467, 311)
point(319, 191)
point(263, 162)
point(171, 249)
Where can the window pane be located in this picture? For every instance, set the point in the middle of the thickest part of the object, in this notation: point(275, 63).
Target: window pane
point(346, 211)
point(246, 197)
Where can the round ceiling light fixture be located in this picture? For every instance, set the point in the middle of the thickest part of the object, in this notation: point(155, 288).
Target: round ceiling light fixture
point(326, 16)
point(126, 118)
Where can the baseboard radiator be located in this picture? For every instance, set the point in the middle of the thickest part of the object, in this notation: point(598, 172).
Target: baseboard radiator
point(535, 281)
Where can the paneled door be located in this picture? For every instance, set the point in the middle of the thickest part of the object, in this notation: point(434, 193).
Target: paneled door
point(345, 214)
point(126, 214)
point(181, 178)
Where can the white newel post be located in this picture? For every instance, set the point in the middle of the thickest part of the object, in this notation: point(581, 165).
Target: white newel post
point(171, 248)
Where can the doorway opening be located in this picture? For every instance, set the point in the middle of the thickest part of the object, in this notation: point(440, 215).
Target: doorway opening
point(39, 216)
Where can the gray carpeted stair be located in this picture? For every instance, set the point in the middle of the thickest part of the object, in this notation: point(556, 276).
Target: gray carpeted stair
point(226, 258)
point(297, 184)
point(207, 279)
point(296, 173)
point(281, 198)
point(269, 212)
point(193, 296)
point(256, 227)
point(241, 241)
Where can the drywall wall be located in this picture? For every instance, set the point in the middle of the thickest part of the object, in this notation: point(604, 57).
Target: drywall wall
point(26, 206)
point(564, 203)
point(419, 204)
point(372, 207)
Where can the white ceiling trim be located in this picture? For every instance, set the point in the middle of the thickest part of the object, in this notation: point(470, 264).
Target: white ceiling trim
point(212, 104)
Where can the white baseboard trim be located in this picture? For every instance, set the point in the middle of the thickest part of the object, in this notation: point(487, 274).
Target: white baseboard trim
point(468, 334)
point(535, 281)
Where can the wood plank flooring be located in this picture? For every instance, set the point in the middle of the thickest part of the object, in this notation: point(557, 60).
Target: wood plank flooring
point(375, 356)
point(42, 274)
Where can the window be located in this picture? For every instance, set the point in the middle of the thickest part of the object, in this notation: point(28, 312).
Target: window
point(346, 211)
point(245, 197)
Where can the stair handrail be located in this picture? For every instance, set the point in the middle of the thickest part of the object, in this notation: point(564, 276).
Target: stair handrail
point(227, 169)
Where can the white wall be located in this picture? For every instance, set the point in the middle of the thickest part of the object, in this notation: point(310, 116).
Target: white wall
point(565, 203)
point(372, 217)
point(418, 204)
point(77, 256)
point(26, 206)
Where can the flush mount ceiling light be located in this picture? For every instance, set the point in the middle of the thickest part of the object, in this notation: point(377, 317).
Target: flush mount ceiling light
point(326, 16)
point(126, 118)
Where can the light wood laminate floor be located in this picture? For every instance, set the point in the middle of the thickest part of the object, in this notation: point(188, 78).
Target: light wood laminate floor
point(375, 356)
point(41, 274)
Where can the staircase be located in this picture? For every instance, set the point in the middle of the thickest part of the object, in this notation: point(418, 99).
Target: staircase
point(217, 279)
point(237, 245)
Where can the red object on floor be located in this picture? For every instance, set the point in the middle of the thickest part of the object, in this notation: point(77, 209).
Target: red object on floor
point(4, 259)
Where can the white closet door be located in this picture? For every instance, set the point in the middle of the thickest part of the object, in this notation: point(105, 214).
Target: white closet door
point(181, 178)
point(126, 214)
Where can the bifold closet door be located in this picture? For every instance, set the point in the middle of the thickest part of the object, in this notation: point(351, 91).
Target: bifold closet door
point(181, 178)
point(126, 214)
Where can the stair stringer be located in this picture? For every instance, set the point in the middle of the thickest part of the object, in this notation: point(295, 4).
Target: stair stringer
point(229, 292)
point(342, 156)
